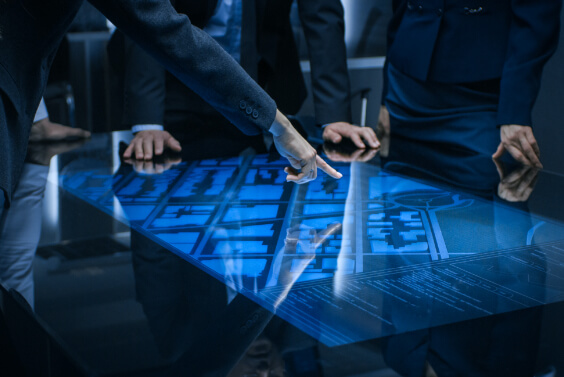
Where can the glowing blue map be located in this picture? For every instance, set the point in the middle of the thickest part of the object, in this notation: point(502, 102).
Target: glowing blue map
point(370, 255)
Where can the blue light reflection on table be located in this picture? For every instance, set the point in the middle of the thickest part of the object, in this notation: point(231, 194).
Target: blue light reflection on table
point(369, 255)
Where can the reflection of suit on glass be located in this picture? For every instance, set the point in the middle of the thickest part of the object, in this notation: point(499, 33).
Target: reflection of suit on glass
point(502, 345)
point(31, 33)
point(197, 328)
point(476, 57)
point(20, 228)
point(155, 97)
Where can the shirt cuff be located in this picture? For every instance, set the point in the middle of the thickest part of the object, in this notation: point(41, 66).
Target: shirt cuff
point(146, 127)
point(41, 112)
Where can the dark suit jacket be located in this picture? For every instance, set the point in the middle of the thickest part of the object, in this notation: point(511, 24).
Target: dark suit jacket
point(462, 41)
point(279, 69)
point(31, 31)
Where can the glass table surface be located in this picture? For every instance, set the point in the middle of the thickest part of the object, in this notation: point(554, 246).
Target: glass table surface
point(424, 259)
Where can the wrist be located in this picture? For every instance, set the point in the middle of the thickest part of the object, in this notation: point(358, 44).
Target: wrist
point(280, 125)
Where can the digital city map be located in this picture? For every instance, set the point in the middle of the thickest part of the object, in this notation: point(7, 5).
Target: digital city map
point(374, 246)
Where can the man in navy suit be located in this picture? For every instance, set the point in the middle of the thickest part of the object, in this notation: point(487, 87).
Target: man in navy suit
point(32, 30)
point(462, 59)
point(154, 98)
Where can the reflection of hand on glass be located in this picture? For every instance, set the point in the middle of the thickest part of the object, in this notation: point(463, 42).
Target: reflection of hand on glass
point(309, 244)
point(338, 154)
point(41, 153)
point(155, 166)
point(302, 242)
point(518, 185)
point(261, 359)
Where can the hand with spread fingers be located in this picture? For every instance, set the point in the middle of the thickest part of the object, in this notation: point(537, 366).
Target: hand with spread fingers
point(302, 156)
point(520, 142)
point(362, 137)
point(147, 144)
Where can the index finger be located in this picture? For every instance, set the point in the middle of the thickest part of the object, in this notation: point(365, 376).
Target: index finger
point(321, 164)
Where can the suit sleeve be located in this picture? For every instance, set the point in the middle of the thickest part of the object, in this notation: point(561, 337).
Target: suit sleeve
point(195, 59)
point(533, 39)
point(324, 28)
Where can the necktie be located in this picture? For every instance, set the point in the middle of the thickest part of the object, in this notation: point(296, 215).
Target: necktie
point(249, 56)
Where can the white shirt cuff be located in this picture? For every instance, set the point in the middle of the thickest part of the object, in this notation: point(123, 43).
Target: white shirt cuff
point(146, 127)
point(41, 112)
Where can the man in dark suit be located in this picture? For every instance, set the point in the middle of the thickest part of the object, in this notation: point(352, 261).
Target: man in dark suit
point(32, 30)
point(258, 34)
point(470, 59)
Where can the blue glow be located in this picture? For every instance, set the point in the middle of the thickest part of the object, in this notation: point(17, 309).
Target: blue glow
point(242, 213)
point(240, 247)
point(402, 242)
point(318, 209)
point(263, 161)
point(326, 189)
point(385, 247)
point(245, 231)
point(180, 221)
point(180, 237)
point(313, 276)
point(322, 222)
point(389, 184)
point(260, 192)
point(330, 264)
point(236, 267)
point(137, 212)
point(299, 264)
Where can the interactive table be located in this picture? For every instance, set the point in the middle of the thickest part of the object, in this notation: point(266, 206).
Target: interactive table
point(409, 263)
